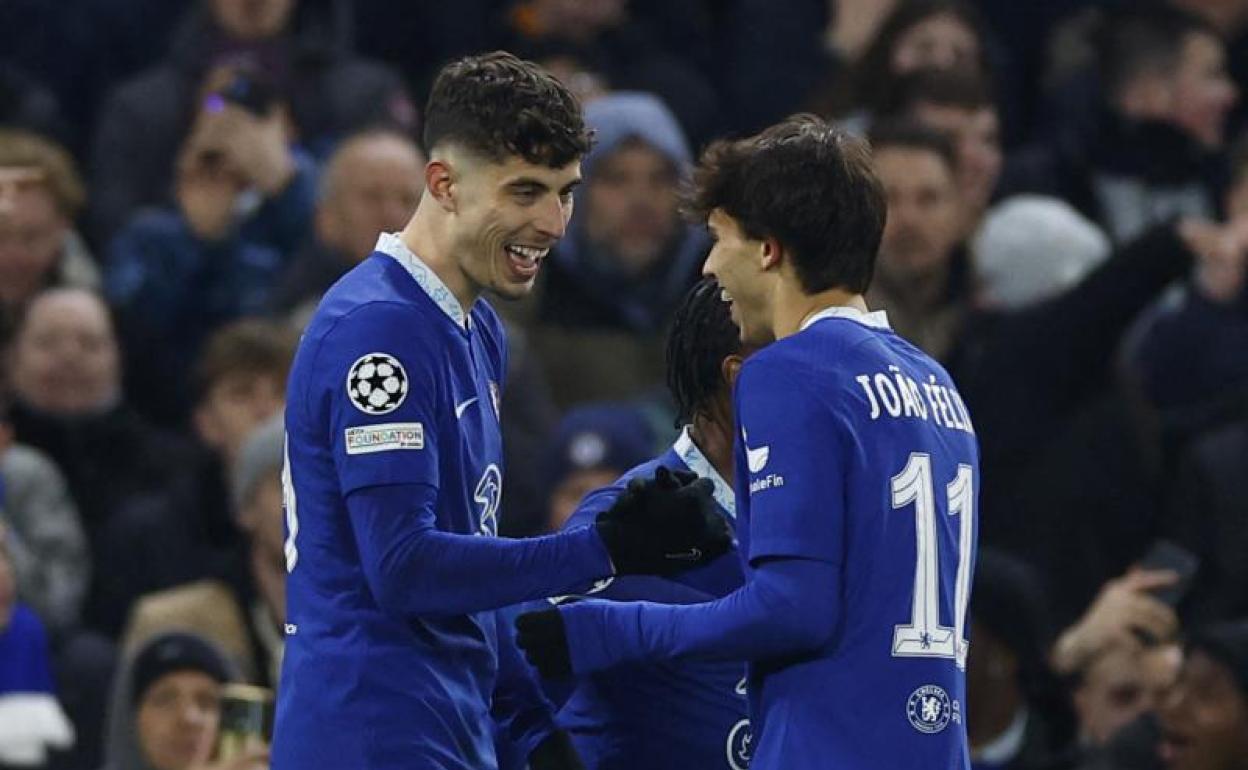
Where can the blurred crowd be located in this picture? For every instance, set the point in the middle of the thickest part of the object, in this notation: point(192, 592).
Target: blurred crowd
point(1067, 233)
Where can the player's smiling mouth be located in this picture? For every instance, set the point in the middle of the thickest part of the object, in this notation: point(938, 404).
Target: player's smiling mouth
point(525, 259)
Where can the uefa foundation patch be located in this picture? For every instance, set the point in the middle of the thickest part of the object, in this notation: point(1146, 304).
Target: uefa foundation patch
point(367, 439)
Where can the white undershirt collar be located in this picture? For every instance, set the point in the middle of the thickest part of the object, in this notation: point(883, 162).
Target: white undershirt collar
point(877, 319)
point(697, 462)
point(393, 246)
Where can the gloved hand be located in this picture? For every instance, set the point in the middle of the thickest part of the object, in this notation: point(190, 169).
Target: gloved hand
point(664, 525)
point(544, 640)
point(555, 753)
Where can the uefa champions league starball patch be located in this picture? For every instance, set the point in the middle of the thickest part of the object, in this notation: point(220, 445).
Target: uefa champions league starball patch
point(377, 384)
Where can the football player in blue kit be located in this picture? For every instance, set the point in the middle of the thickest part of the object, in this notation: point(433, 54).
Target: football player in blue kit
point(393, 476)
point(856, 477)
point(675, 715)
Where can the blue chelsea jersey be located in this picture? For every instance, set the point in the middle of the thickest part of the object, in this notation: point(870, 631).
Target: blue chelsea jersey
point(392, 384)
point(663, 715)
point(856, 449)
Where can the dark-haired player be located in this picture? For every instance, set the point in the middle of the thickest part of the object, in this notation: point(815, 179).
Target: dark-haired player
point(675, 715)
point(393, 471)
point(856, 471)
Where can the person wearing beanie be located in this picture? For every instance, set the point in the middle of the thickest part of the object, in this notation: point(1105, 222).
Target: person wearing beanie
point(166, 707)
point(1204, 721)
point(614, 280)
point(591, 447)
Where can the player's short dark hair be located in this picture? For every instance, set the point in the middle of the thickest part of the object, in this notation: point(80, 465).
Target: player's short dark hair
point(497, 106)
point(909, 134)
point(1143, 39)
point(250, 348)
point(702, 336)
point(962, 88)
point(806, 183)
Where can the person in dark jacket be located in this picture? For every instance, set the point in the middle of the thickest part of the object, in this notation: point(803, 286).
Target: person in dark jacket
point(296, 49)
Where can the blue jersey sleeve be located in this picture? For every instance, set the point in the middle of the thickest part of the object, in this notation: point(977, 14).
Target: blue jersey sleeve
point(520, 710)
point(380, 384)
point(789, 457)
point(788, 607)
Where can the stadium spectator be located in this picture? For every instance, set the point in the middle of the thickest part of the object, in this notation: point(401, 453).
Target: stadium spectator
point(1192, 349)
point(1204, 720)
point(959, 103)
point(294, 51)
point(1119, 686)
point(592, 447)
point(1158, 128)
point(922, 278)
point(613, 282)
point(67, 402)
point(176, 275)
point(188, 532)
point(165, 713)
point(917, 35)
point(245, 614)
point(1017, 715)
point(40, 197)
point(369, 186)
point(34, 723)
point(44, 537)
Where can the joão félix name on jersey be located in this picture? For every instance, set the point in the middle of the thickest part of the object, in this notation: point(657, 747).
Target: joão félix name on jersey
point(897, 395)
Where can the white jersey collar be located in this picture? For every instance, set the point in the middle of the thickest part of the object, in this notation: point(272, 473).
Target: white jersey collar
point(877, 319)
point(697, 462)
point(393, 246)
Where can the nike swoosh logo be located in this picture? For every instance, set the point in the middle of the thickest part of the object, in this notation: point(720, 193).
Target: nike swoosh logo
point(693, 554)
point(459, 408)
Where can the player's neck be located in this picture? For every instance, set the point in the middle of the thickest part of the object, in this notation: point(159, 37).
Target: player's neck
point(714, 441)
point(425, 237)
point(792, 306)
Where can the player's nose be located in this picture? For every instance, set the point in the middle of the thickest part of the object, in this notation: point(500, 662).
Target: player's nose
point(552, 220)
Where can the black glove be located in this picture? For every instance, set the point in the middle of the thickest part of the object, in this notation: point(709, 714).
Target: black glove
point(664, 525)
point(555, 753)
point(544, 640)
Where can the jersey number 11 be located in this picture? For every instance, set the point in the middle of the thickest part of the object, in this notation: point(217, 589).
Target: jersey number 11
point(924, 637)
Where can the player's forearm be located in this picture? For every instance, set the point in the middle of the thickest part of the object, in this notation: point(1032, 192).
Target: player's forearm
point(787, 607)
point(415, 569)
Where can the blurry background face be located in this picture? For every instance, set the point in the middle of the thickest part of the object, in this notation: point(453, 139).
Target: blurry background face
point(264, 520)
point(564, 499)
point(1122, 684)
point(65, 357)
point(632, 204)
point(234, 407)
point(32, 232)
point(178, 719)
point(1203, 91)
point(252, 19)
point(373, 186)
point(977, 136)
point(1204, 720)
point(923, 211)
point(939, 42)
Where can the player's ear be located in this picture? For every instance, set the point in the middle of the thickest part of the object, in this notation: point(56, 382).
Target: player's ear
point(729, 368)
point(772, 254)
point(439, 183)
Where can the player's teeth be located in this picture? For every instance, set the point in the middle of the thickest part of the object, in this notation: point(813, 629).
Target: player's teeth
point(724, 295)
point(527, 252)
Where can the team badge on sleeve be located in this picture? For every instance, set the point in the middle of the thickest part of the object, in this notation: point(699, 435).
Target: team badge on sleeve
point(377, 383)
